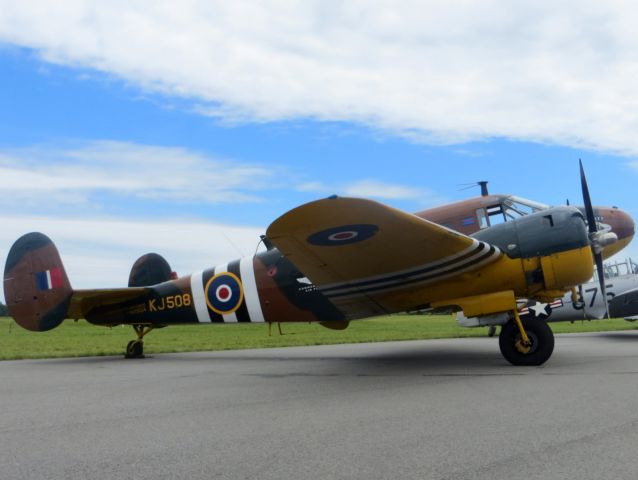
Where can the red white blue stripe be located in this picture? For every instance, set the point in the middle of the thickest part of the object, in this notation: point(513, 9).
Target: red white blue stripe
point(49, 279)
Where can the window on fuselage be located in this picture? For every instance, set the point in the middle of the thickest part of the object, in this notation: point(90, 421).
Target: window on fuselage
point(515, 207)
point(510, 208)
point(482, 218)
point(619, 269)
point(496, 214)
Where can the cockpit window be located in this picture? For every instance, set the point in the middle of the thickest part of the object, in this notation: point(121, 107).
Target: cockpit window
point(508, 208)
point(516, 207)
point(497, 213)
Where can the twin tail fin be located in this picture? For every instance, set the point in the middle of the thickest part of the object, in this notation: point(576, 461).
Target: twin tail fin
point(36, 287)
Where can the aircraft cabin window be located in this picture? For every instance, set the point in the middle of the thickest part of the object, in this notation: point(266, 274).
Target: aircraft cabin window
point(511, 208)
point(524, 206)
point(496, 215)
point(482, 218)
point(619, 269)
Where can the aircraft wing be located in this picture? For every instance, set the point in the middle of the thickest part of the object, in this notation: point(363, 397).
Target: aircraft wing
point(358, 250)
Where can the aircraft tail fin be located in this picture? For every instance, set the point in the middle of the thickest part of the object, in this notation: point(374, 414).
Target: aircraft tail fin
point(150, 269)
point(36, 287)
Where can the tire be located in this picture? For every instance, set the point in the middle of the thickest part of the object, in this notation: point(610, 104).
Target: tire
point(134, 349)
point(540, 335)
point(129, 349)
point(138, 349)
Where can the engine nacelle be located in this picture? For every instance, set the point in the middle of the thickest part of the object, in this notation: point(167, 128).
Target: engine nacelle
point(558, 237)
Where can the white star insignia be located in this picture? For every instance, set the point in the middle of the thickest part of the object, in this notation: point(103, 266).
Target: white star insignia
point(539, 309)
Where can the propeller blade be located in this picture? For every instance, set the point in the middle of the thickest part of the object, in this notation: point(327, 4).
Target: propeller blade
point(589, 210)
point(601, 280)
point(593, 230)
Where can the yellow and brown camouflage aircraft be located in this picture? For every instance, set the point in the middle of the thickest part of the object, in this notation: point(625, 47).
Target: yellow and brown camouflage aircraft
point(332, 261)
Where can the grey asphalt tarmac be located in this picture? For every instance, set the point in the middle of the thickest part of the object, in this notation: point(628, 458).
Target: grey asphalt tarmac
point(442, 409)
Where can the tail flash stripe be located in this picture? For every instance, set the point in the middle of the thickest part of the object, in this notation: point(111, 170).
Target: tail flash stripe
point(49, 279)
point(199, 301)
point(41, 281)
point(229, 317)
point(56, 278)
point(251, 295)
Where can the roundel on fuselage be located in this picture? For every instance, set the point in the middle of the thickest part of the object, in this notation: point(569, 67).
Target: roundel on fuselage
point(224, 293)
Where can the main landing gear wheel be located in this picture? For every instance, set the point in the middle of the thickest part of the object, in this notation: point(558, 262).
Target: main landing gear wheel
point(135, 348)
point(513, 348)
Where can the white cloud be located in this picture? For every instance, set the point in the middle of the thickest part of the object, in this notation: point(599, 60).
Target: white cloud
point(435, 71)
point(98, 175)
point(374, 188)
point(371, 188)
point(67, 176)
point(313, 187)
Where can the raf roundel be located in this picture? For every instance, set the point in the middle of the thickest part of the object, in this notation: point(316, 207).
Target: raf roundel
point(224, 293)
point(343, 235)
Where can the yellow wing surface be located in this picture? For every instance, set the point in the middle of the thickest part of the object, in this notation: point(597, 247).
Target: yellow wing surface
point(361, 254)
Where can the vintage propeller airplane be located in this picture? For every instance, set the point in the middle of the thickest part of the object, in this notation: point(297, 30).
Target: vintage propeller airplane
point(332, 261)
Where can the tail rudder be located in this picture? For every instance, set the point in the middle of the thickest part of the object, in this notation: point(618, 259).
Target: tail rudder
point(36, 287)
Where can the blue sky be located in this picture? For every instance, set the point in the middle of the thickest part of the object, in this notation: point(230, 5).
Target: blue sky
point(126, 128)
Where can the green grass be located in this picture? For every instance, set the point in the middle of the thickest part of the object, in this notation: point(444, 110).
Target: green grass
point(78, 339)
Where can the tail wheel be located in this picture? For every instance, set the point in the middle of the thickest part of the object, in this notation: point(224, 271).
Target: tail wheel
point(135, 349)
point(515, 351)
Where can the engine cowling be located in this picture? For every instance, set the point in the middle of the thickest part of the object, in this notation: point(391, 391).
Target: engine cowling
point(542, 233)
point(557, 236)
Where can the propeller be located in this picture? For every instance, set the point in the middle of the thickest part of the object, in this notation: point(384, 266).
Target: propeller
point(599, 239)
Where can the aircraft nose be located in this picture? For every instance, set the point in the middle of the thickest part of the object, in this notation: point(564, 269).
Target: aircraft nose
point(621, 224)
point(620, 221)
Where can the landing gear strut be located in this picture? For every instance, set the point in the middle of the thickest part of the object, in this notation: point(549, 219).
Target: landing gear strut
point(526, 342)
point(135, 348)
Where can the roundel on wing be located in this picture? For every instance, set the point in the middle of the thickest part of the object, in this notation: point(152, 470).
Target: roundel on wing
point(343, 235)
point(224, 293)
